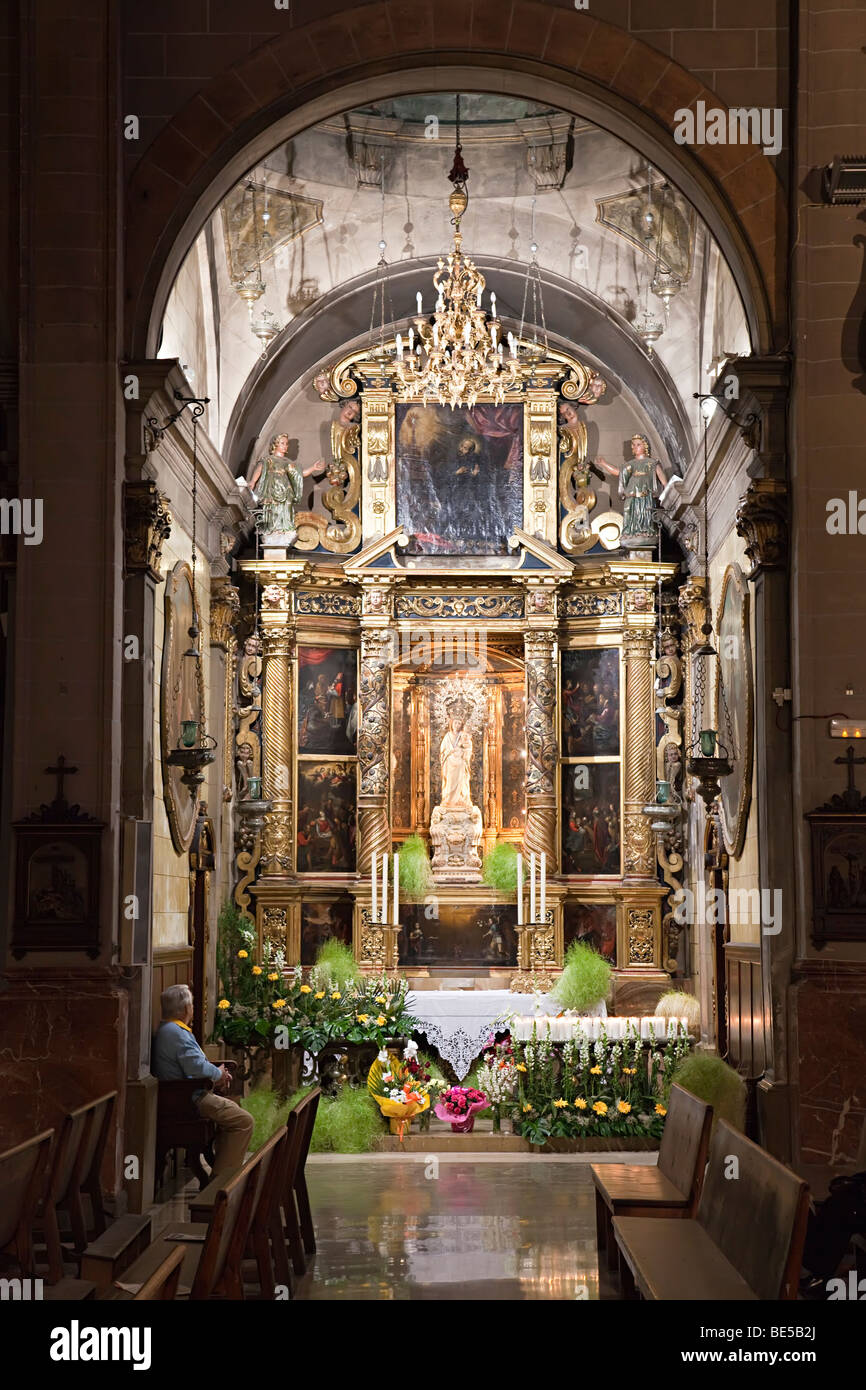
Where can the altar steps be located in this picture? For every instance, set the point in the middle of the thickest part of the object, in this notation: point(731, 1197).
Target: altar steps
point(441, 1139)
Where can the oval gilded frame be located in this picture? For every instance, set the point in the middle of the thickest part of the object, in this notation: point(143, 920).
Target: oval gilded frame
point(181, 808)
point(735, 658)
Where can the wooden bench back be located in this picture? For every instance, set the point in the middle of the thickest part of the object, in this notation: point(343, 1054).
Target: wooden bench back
point(755, 1210)
point(685, 1142)
point(300, 1124)
point(272, 1166)
point(81, 1145)
point(163, 1283)
point(220, 1263)
point(22, 1180)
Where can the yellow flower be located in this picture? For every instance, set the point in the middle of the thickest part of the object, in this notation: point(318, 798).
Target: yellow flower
point(595, 1071)
point(661, 1110)
point(381, 1021)
point(381, 999)
point(319, 995)
point(257, 970)
point(520, 1067)
point(243, 955)
point(600, 1108)
point(279, 1003)
point(527, 1107)
point(335, 994)
point(274, 975)
point(623, 1107)
point(629, 1071)
point(223, 1004)
point(305, 989)
point(580, 1103)
point(561, 1104)
point(363, 1018)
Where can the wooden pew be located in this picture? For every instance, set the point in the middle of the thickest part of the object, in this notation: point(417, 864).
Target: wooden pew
point(22, 1182)
point(671, 1188)
point(213, 1252)
point(75, 1167)
point(180, 1126)
point(163, 1283)
point(297, 1217)
point(746, 1242)
point(266, 1240)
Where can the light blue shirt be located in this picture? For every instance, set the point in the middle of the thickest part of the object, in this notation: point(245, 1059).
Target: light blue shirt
point(177, 1056)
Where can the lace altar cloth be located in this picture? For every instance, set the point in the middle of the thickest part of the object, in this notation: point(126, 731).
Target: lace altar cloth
point(458, 1022)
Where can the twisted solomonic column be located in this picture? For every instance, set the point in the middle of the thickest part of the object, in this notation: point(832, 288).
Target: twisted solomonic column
point(374, 746)
point(277, 641)
point(541, 752)
point(639, 850)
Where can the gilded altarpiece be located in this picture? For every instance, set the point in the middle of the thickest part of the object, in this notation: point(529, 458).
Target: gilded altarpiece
point(548, 659)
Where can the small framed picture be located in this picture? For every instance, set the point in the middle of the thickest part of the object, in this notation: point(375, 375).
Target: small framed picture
point(56, 888)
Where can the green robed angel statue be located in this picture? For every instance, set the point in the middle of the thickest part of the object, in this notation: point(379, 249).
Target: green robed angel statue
point(278, 485)
point(640, 482)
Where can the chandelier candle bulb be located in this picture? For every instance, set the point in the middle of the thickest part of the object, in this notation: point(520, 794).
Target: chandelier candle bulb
point(493, 305)
point(478, 296)
point(399, 347)
point(419, 301)
point(520, 890)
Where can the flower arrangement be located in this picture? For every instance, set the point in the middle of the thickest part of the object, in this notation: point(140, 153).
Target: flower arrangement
point(397, 1089)
point(497, 1077)
point(581, 1089)
point(460, 1104)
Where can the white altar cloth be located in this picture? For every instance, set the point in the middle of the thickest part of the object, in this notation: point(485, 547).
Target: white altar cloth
point(458, 1022)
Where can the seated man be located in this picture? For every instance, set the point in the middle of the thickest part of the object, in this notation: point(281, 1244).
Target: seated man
point(177, 1055)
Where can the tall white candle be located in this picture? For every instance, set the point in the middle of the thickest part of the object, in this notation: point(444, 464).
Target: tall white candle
point(542, 917)
point(520, 890)
point(411, 339)
point(418, 301)
point(397, 888)
point(532, 917)
point(400, 347)
point(384, 888)
point(373, 880)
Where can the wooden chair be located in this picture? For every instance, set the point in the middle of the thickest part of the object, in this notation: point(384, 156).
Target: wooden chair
point(670, 1189)
point(266, 1243)
point(297, 1218)
point(746, 1242)
point(180, 1126)
point(163, 1283)
point(76, 1162)
point(212, 1251)
point(22, 1182)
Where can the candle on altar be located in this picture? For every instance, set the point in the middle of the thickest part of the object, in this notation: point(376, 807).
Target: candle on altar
point(542, 916)
point(384, 917)
point(397, 888)
point(373, 881)
point(520, 890)
point(532, 886)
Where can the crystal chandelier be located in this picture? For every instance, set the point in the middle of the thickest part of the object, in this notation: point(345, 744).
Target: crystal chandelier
point(458, 353)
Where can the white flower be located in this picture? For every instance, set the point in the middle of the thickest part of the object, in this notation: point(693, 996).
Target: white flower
point(383, 1057)
point(410, 1050)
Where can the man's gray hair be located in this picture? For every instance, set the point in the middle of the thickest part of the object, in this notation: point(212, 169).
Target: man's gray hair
point(175, 1001)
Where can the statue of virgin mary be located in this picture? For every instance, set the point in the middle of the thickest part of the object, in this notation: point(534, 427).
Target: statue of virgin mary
point(455, 760)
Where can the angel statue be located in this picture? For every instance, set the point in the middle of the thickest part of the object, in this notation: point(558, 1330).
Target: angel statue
point(641, 480)
point(278, 485)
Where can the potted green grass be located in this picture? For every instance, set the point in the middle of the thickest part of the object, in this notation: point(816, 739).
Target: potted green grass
point(713, 1081)
point(499, 869)
point(416, 873)
point(585, 980)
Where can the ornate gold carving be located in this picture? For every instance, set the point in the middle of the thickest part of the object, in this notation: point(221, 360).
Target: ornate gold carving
point(248, 849)
point(638, 848)
point(541, 603)
point(147, 525)
point(374, 713)
point(276, 856)
point(540, 650)
point(762, 521)
point(378, 945)
point(343, 534)
point(639, 858)
point(276, 597)
point(225, 605)
point(329, 605)
point(459, 606)
point(641, 935)
point(541, 947)
point(590, 605)
point(274, 927)
point(277, 714)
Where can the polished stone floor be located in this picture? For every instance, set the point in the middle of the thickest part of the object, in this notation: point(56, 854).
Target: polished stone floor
point(417, 1227)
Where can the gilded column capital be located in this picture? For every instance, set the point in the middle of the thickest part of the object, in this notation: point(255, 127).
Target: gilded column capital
point(147, 526)
point(225, 605)
point(277, 639)
point(762, 521)
point(638, 641)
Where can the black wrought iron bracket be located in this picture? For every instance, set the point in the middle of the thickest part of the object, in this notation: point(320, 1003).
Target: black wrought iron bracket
point(750, 427)
point(198, 404)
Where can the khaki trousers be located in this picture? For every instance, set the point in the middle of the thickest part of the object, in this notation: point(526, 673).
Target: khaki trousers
point(234, 1127)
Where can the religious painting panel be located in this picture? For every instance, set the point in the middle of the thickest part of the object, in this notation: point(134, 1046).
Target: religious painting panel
point(513, 758)
point(459, 477)
point(592, 923)
point(591, 842)
point(401, 760)
point(326, 817)
point(328, 920)
point(458, 936)
point(734, 706)
point(57, 885)
point(327, 699)
point(590, 702)
point(838, 878)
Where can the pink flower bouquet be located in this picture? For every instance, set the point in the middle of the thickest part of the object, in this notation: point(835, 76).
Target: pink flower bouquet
point(460, 1104)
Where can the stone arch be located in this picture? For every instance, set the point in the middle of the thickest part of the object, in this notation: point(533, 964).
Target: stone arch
point(361, 52)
